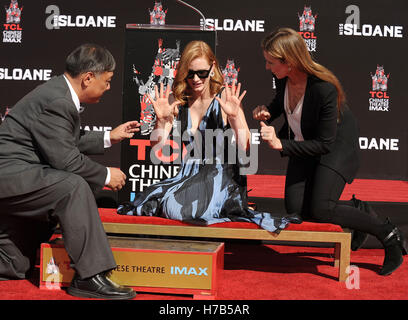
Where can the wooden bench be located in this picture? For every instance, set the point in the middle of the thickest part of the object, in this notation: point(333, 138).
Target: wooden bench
point(304, 232)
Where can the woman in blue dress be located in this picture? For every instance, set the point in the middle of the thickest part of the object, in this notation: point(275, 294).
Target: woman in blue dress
point(209, 187)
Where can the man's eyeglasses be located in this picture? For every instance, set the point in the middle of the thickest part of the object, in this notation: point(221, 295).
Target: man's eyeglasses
point(202, 74)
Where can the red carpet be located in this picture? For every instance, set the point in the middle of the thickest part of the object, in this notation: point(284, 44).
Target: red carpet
point(269, 186)
point(270, 272)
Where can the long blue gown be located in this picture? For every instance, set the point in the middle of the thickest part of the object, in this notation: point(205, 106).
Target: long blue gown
point(205, 191)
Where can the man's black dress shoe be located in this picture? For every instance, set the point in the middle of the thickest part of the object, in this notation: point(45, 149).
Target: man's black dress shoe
point(99, 287)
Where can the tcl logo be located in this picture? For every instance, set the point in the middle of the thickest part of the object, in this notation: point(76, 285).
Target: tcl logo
point(12, 27)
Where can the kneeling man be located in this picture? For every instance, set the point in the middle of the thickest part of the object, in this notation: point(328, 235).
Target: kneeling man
point(46, 178)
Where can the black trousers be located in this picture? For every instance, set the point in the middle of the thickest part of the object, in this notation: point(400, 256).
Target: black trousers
point(313, 190)
point(28, 220)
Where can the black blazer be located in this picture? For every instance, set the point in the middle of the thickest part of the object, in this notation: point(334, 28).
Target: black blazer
point(331, 141)
point(41, 142)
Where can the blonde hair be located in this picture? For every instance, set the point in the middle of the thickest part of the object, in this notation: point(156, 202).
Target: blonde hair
point(289, 47)
point(192, 51)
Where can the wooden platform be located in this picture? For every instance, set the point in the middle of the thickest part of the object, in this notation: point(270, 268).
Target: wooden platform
point(304, 232)
point(147, 265)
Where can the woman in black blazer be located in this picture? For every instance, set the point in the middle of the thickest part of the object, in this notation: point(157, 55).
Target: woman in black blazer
point(320, 137)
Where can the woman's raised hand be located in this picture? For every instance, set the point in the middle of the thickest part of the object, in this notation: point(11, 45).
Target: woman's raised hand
point(232, 101)
point(162, 107)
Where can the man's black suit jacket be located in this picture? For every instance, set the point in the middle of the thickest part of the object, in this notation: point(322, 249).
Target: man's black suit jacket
point(41, 142)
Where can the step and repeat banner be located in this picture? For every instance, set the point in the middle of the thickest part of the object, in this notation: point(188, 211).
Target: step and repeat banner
point(157, 65)
point(363, 42)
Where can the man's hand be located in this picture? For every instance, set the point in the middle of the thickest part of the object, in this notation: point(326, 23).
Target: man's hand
point(124, 131)
point(117, 179)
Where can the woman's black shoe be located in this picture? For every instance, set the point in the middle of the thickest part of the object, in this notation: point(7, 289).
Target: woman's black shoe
point(395, 247)
point(358, 237)
point(294, 218)
point(99, 287)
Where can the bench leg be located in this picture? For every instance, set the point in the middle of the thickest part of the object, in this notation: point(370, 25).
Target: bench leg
point(342, 258)
point(337, 250)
